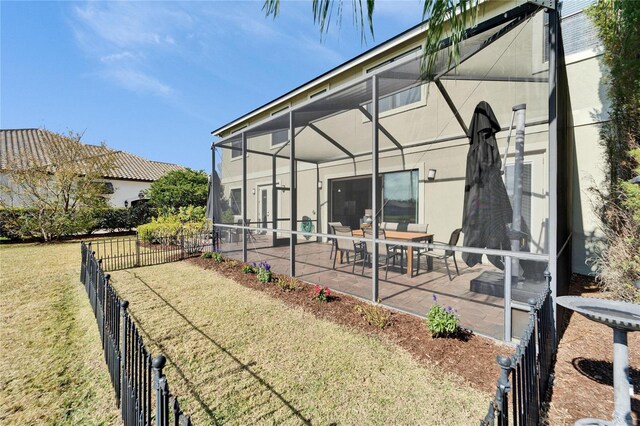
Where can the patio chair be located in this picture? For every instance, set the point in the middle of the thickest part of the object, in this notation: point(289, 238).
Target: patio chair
point(344, 246)
point(386, 252)
point(390, 226)
point(333, 240)
point(453, 240)
point(417, 227)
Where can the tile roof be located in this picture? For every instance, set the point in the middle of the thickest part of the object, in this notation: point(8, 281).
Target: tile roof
point(19, 146)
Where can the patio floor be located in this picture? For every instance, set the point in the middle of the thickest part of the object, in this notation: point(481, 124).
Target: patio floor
point(479, 312)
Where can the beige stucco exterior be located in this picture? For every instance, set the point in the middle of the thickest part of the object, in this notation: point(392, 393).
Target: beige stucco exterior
point(431, 121)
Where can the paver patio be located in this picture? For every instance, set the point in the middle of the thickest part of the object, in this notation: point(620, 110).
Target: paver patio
point(479, 312)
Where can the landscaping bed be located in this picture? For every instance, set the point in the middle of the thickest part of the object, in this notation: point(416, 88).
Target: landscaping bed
point(468, 356)
point(584, 371)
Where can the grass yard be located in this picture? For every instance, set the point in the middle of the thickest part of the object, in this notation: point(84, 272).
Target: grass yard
point(237, 356)
point(51, 362)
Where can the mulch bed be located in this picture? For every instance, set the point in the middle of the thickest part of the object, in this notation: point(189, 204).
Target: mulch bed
point(584, 368)
point(471, 357)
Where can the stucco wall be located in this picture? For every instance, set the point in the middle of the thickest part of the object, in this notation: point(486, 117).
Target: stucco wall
point(128, 190)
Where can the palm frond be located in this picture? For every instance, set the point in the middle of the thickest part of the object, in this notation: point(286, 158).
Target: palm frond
point(456, 16)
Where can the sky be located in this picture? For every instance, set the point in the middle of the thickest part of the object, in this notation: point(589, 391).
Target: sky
point(155, 78)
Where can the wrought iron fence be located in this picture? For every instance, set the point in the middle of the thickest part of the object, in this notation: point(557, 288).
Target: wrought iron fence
point(155, 249)
point(525, 376)
point(137, 377)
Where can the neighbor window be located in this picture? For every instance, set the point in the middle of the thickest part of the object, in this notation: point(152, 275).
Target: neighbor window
point(108, 188)
point(235, 201)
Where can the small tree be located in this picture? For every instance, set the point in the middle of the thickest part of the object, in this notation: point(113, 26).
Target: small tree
point(179, 188)
point(56, 196)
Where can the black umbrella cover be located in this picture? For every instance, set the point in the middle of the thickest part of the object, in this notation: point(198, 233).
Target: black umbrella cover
point(487, 209)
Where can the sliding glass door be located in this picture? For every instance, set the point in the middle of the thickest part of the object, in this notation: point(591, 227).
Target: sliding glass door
point(350, 198)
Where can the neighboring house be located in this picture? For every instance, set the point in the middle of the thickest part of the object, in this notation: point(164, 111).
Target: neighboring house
point(131, 174)
point(513, 56)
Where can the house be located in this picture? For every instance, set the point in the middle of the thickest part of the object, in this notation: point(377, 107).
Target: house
point(308, 157)
point(130, 177)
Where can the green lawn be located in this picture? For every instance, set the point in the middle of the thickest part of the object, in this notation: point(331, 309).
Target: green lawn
point(237, 356)
point(51, 363)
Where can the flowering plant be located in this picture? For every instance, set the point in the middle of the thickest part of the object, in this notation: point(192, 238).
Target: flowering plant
point(441, 321)
point(322, 294)
point(263, 272)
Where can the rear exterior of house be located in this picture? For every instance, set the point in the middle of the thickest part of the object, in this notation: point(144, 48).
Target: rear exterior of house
point(322, 133)
point(125, 184)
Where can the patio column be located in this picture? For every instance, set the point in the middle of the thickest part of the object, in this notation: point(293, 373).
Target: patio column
point(293, 194)
point(374, 186)
point(554, 22)
point(214, 198)
point(244, 196)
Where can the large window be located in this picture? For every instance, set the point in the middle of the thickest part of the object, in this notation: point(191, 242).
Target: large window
point(236, 149)
point(235, 201)
point(400, 197)
point(279, 136)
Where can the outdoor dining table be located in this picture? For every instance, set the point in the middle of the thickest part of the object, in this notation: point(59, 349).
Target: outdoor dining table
point(413, 237)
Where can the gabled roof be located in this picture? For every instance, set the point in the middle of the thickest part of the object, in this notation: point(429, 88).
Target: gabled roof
point(20, 146)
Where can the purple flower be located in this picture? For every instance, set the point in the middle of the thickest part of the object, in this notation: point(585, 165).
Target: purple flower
point(449, 308)
point(435, 298)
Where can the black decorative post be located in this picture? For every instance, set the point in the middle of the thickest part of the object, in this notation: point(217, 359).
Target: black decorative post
point(504, 387)
point(159, 384)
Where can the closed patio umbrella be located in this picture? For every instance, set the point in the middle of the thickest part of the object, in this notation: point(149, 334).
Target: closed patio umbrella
point(214, 210)
point(487, 209)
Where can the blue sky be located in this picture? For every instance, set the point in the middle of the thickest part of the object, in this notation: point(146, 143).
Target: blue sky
point(155, 78)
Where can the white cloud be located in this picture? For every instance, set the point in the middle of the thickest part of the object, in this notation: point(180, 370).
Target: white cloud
point(137, 81)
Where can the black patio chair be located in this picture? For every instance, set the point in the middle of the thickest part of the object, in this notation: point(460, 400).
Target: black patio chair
point(453, 240)
point(386, 252)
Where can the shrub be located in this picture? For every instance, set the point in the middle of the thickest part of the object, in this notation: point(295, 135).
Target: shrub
point(263, 272)
point(215, 255)
point(321, 294)
point(170, 228)
point(248, 269)
point(287, 283)
point(441, 321)
point(374, 314)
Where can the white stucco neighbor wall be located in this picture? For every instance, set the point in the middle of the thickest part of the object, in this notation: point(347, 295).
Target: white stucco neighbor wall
point(126, 190)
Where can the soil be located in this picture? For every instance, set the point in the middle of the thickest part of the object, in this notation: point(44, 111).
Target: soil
point(469, 356)
point(583, 384)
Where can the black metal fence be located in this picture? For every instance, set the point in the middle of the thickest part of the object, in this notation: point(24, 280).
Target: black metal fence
point(131, 252)
point(137, 377)
point(526, 375)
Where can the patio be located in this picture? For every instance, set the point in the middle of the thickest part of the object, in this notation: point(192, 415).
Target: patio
point(393, 145)
point(479, 312)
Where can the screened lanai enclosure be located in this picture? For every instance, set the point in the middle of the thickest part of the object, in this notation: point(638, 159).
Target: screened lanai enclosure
point(405, 188)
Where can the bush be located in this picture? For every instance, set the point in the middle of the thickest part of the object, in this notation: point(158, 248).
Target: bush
point(248, 269)
point(287, 283)
point(169, 228)
point(263, 272)
point(17, 223)
point(179, 188)
point(215, 255)
point(321, 294)
point(442, 322)
point(374, 314)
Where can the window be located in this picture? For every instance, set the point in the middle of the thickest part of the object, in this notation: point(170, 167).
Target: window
point(236, 150)
point(108, 188)
point(235, 201)
point(279, 136)
point(400, 197)
point(526, 190)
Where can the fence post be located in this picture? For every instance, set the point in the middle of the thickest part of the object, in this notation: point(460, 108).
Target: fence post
point(159, 384)
point(123, 362)
point(137, 250)
point(181, 243)
point(503, 389)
